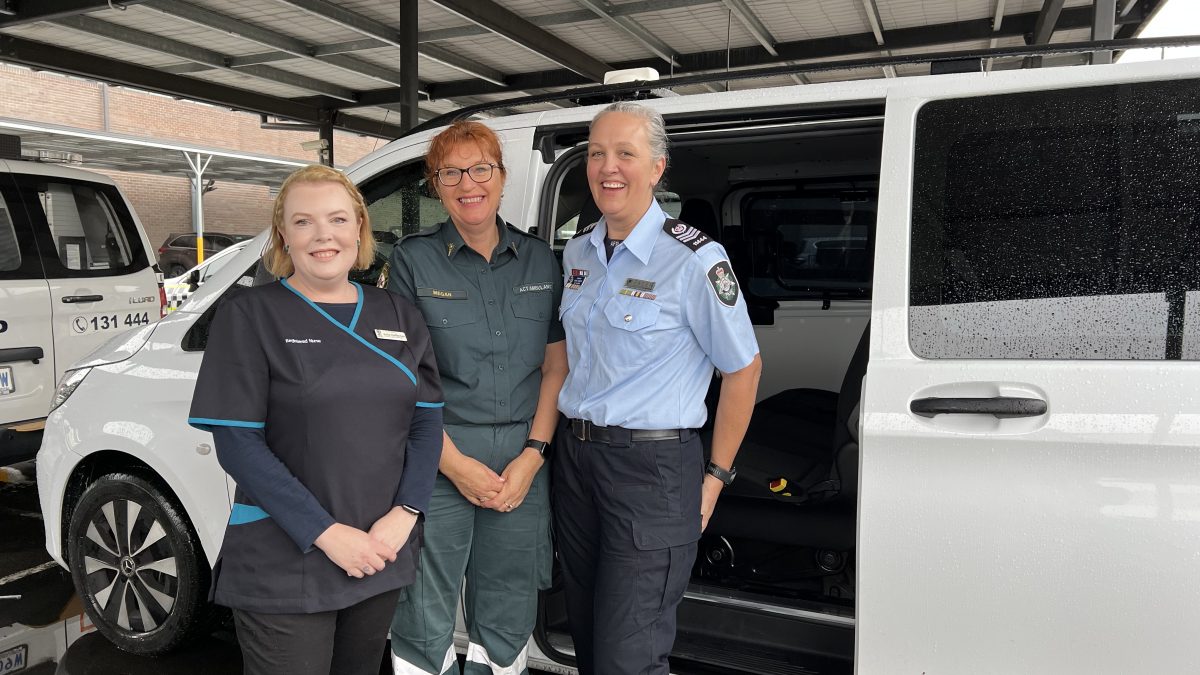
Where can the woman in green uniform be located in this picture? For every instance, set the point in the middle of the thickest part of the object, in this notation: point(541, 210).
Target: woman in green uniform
point(489, 294)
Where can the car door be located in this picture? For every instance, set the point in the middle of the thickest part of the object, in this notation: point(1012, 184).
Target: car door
point(26, 341)
point(100, 280)
point(1030, 468)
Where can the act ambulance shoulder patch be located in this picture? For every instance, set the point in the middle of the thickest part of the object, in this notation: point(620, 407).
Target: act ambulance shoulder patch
point(723, 283)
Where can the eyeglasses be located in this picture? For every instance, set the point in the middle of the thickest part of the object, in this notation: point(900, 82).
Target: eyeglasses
point(451, 176)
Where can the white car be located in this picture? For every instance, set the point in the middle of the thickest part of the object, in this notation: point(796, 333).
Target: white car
point(1001, 476)
point(76, 268)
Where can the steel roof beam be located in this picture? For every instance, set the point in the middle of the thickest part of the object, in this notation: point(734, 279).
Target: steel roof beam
point(385, 35)
point(42, 56)
point(633, 29)
point(284, 43)
point(501, 21)
point(801, 50)
point(32, 11)
point(207, 58)
point(1046, 20)
point(750, 20)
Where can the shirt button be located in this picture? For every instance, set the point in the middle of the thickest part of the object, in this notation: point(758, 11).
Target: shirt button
point(628, 318)
point(445, 321)
point(500, 367)
point(491, 302)
point(501, 404)
point(498, 332)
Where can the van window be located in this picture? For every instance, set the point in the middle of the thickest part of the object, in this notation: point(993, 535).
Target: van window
point(401, 202)
point(84, 228)
point(1058, 225)
point(813, 240)
point(10, 251)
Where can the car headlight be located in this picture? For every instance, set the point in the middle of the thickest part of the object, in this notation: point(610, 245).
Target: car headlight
point(67, 385)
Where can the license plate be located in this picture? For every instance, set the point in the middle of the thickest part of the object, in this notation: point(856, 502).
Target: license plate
point(6, 387)
point(12, 660)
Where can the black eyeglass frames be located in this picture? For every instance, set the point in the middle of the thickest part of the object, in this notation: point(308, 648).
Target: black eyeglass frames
point(450, 176)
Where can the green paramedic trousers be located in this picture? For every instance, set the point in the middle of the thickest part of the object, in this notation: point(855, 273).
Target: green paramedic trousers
point(504, 558)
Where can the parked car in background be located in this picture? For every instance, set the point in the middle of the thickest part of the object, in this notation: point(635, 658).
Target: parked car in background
point(178, 253)
point(180, 288)
point(76, 268)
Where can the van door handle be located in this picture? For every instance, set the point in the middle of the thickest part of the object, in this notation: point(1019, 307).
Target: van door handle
point(997, 406)
point(15, 354)
point(82, 298)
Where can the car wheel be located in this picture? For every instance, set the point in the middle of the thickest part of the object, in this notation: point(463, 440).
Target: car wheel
point(176, 270)
point(137, 565)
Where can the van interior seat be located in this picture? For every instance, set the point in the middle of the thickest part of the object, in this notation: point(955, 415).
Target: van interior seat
point(809, 438)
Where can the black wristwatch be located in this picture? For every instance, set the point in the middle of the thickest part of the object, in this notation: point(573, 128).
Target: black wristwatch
point(720, 474)
point(540, 446)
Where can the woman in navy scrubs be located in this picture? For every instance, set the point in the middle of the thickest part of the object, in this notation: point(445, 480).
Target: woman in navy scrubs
point(325, 405)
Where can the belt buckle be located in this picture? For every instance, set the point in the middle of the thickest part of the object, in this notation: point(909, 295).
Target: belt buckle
point(582, 429)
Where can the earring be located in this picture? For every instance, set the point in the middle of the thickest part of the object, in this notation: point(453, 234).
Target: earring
point(287, 249)
point(357, 242)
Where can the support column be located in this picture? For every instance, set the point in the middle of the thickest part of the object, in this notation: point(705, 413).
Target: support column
point(408, 64)
point(325, 133)
point(198, 163)
point(1104, 20)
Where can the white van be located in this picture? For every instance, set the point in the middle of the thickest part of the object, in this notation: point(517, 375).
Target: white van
point(75, 269)
point(1001, 475)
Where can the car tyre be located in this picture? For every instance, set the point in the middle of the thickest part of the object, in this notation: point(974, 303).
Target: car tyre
point(138, 566)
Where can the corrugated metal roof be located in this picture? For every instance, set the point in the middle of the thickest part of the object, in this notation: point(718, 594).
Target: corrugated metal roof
point(305, 55)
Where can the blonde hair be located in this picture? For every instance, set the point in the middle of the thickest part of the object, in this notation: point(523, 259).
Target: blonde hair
point(277, 260)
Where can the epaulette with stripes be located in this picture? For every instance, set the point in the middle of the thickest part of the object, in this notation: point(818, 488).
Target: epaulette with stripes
point(685, 234)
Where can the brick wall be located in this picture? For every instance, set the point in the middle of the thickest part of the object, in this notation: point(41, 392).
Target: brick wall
point(164, 202)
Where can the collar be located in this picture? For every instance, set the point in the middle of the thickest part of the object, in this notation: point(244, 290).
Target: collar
point(455, 243)
point(640, 241)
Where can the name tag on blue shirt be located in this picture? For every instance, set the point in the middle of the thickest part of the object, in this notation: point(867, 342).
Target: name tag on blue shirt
point(390, 335)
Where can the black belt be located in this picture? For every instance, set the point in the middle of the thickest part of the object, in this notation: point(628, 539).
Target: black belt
point(586, 431)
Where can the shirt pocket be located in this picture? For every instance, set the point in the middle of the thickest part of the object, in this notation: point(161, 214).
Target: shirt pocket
point(447, 312)
point(634, 320)
point(533, 310)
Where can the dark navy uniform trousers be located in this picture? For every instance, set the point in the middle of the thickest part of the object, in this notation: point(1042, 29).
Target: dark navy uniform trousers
point(626, 520)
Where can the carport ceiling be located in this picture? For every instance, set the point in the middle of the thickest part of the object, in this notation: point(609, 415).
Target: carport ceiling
point(302, 59)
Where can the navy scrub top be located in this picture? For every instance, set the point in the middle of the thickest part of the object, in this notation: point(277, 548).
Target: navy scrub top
point(335, 403)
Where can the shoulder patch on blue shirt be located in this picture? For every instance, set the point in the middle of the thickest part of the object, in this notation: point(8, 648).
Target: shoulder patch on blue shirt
point(685, 234)
point(723, 283)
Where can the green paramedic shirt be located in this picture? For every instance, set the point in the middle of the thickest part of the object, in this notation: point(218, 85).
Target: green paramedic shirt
point(490, 321)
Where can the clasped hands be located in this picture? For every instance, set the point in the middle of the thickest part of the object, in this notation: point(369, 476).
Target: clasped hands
point(486, 489)
point(362, 554)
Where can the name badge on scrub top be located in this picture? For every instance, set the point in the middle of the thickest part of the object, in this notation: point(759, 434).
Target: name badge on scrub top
point(390, 335)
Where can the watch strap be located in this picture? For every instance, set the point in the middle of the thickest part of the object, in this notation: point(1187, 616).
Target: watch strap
point(721, 474)
point(540, 446)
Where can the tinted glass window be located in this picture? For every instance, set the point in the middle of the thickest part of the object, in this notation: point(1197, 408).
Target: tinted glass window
point(811, 241)
point(1058, 225)
point(401, 202)
point(84, 229)
point(185, 241)
point(10, 250)
point(196, 339)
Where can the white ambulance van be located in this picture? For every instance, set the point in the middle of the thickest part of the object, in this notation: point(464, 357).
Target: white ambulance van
point(76, 268)
point(977, 445)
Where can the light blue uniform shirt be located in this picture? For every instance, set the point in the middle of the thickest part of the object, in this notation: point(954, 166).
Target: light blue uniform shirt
point(645, 329)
